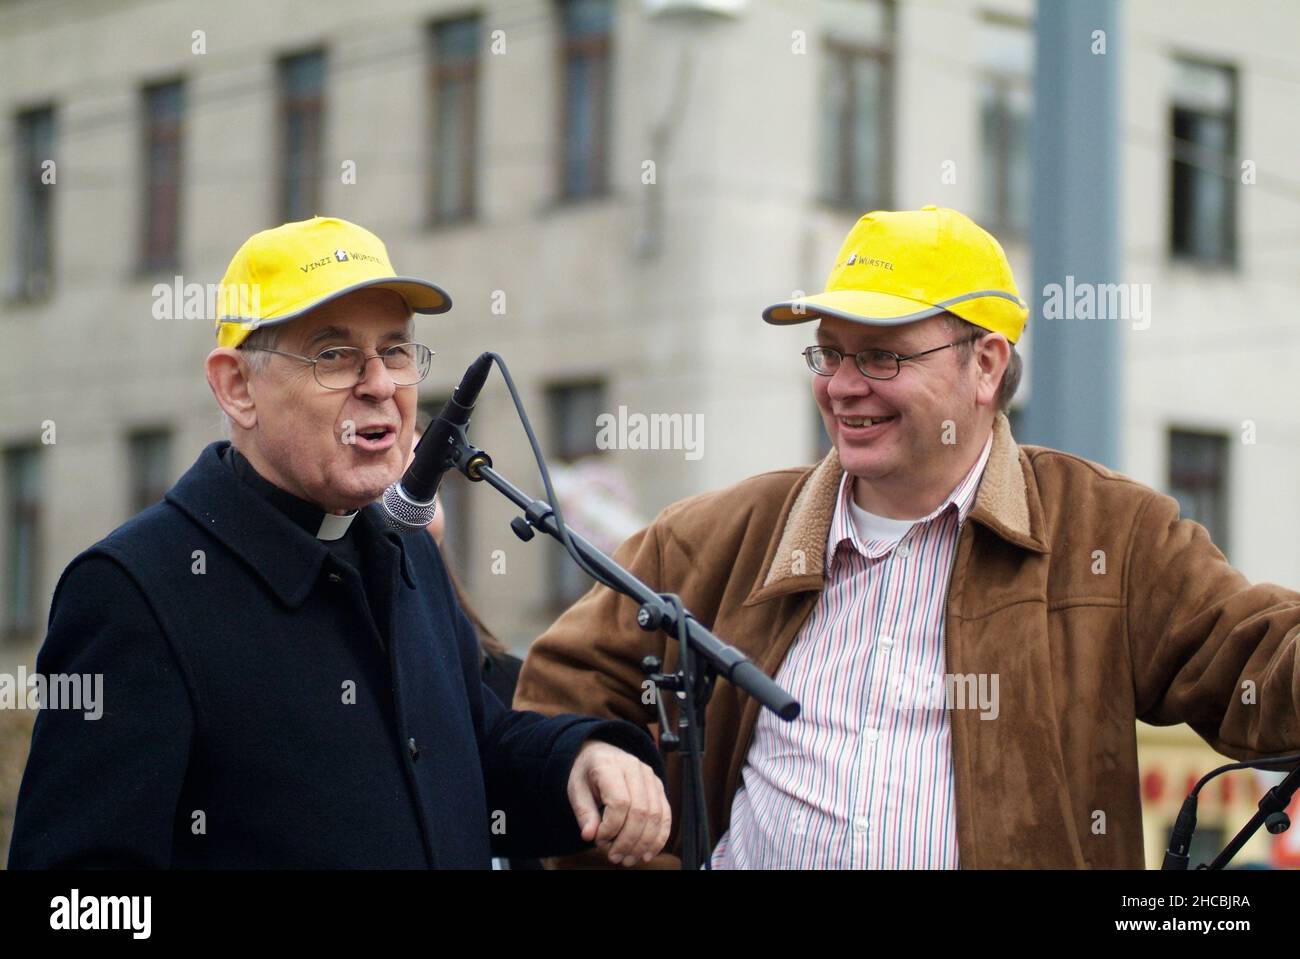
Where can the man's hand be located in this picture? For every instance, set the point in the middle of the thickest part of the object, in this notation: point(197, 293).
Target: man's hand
point(636, 819)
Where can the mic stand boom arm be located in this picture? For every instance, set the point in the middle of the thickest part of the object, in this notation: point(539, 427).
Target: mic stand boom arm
point(703, 656)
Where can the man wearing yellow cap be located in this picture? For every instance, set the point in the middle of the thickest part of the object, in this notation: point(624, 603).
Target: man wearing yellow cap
point(286, 682)
point(972, 627)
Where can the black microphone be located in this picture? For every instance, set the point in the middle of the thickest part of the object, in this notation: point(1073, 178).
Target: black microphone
point(1180, 837)
point(408, 504)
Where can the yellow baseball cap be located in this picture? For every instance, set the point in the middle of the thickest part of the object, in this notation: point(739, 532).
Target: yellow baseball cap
point(281, 273)
point(900, 266)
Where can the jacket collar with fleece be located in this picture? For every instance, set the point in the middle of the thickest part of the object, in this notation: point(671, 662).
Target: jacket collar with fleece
point(1007, 503)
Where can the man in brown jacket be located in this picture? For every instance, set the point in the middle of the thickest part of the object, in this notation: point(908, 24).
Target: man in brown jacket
point(1051, 601)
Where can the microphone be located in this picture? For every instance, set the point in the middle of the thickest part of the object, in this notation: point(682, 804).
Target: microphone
point(408, 504)
point(1180, 837)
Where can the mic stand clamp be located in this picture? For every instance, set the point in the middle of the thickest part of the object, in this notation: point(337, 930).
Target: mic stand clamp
point(691, 685)
point(1271, 815)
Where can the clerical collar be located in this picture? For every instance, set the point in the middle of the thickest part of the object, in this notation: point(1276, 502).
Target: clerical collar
point(310, 517)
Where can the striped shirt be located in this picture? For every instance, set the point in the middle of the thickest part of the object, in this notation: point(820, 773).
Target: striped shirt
point(863, 778)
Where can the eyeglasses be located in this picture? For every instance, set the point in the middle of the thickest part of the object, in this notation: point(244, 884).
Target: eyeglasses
point(343, 367)
point(876, 364)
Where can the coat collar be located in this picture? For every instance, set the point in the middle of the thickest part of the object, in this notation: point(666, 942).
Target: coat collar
point(286, 557)
point(1007, 504)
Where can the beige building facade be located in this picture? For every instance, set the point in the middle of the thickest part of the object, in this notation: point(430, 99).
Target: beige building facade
point(724, 149)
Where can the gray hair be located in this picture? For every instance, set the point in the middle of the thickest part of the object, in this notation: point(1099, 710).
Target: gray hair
point(266, 338)
point(1015, 365)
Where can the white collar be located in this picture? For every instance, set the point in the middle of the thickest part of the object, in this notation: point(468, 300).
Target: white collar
point(334, 527)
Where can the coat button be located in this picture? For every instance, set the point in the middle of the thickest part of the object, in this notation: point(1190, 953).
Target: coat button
point(414, 749)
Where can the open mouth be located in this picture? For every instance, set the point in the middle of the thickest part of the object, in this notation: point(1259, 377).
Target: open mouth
point(375, 440)
point(864, 427)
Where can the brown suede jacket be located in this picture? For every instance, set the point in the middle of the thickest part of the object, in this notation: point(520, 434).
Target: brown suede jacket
point(1094, 604)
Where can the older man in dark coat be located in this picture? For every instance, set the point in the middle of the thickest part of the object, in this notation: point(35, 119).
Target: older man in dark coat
point(286, 683)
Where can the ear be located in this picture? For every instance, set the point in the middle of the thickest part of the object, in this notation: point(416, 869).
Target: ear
point(228, 375)
point(992, 354)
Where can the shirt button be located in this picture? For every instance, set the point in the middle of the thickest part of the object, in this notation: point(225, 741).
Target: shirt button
point(860, 824)
point(886, 643)
point(904, 550)
point(873, 735)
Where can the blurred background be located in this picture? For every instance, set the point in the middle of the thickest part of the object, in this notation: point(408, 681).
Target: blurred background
point(612, 190)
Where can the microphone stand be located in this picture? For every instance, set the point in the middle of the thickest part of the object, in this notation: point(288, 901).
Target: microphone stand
point(1271, 814)
point(702, 659)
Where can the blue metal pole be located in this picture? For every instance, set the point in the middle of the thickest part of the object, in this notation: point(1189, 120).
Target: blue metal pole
point(1075, 229)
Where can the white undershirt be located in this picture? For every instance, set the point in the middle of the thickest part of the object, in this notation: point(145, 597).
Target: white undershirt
point(873, 527)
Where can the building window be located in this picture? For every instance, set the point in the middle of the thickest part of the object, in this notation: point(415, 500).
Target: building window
point(586, 101)
point(22, 514)
point(33, 269)
point(151, 474)
point(1203, 218)
point(1198, 479)
point(164, 114)
point(857, 95)
point(1006, 102)
point(302, 115)
point(455, 83)
point(573, 411)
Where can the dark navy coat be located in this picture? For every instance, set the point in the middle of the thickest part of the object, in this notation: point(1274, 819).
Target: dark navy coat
point(229, 640)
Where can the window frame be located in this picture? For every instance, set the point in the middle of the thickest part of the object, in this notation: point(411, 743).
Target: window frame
point(1179, 150)
point(18, 510)
point(33, 273)
point(155, 256)
point(600, 48)
point(1222, 492)
point(440, 72)
point(1005, 83)
point(141, 494)
point(838, 57)
point(288, 105)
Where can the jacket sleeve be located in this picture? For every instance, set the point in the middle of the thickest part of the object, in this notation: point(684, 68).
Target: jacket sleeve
point(1208, 648)
point(526, 759)
point(101, 792)
point(589, 660)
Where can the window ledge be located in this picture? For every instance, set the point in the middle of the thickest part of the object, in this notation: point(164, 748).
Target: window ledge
point(155, 272)
point(438, 224)
point(1214, 268)
point(561, 204)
